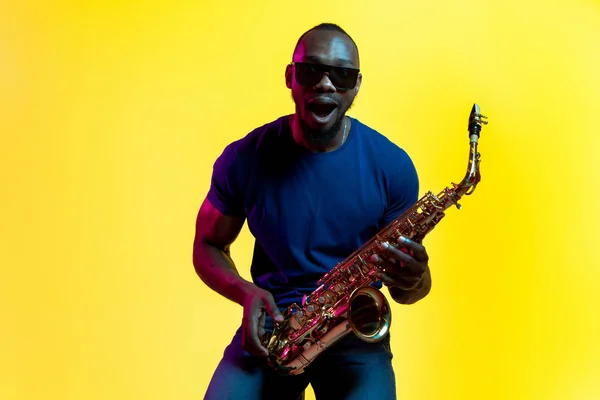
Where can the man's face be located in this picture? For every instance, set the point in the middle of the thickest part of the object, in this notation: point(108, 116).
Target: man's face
point(321, 107)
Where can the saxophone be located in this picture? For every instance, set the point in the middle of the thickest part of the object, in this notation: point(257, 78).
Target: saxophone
point(345, 300)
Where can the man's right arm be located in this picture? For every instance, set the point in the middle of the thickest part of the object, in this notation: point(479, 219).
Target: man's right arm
point(215, 232)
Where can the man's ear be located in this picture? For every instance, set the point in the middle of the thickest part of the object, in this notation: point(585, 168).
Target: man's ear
point(288, 76)
point(358, 83)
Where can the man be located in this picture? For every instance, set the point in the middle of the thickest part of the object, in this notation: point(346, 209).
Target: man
point(314, 186)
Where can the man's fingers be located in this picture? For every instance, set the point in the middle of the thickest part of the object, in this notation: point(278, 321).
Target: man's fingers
point(261, 325)
point(400, 263)
point(407, 253)
point(385, 278)
point(257, 304)
point(272, 308)
point(250, 338)
point(417, 250)
point(403, 283)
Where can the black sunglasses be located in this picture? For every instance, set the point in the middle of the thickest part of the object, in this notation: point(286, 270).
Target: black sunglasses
point(308, 74)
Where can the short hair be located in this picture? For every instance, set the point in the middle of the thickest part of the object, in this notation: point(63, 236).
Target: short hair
point(325, 26)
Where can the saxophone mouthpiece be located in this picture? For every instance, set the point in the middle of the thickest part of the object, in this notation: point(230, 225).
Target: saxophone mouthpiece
point(476, 120)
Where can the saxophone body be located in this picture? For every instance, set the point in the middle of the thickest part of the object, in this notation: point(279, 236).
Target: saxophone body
point(345, 300)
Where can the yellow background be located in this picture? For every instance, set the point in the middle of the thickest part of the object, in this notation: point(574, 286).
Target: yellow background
point(112, 114)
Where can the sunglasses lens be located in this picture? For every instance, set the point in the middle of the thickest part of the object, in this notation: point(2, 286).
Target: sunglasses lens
point(343, 78)
point(310, 74)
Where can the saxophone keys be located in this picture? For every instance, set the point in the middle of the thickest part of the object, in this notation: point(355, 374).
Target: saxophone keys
point(296, 321)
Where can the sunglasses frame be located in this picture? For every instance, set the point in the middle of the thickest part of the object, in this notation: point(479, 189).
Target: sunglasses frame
point(324, 68)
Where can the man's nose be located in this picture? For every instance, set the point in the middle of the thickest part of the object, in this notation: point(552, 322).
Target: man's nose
point(325, 85)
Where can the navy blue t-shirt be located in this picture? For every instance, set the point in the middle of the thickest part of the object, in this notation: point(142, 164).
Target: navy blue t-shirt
point(309, 211)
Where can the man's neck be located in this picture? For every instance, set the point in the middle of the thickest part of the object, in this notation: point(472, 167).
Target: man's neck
point(301, 138)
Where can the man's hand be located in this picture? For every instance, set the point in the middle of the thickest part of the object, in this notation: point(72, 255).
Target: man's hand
point(404, 264)
point(257, 302)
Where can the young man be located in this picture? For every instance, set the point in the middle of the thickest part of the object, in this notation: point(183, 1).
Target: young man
point(313, 186)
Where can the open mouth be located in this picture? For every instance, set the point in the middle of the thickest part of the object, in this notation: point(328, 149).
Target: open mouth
point(322, 110)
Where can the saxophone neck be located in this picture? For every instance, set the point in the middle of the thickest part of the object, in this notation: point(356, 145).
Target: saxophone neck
point(473, 176)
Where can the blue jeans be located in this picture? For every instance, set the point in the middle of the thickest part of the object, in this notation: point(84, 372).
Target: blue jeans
point(351, 369)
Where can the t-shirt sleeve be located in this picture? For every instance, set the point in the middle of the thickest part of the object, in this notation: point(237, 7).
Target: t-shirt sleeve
point(226, 193)
point(403, 187)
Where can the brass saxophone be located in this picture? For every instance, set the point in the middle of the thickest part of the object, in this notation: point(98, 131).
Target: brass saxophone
point(345, 301)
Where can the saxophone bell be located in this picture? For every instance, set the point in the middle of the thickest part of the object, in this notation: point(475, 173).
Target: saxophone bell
point(369, 314)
